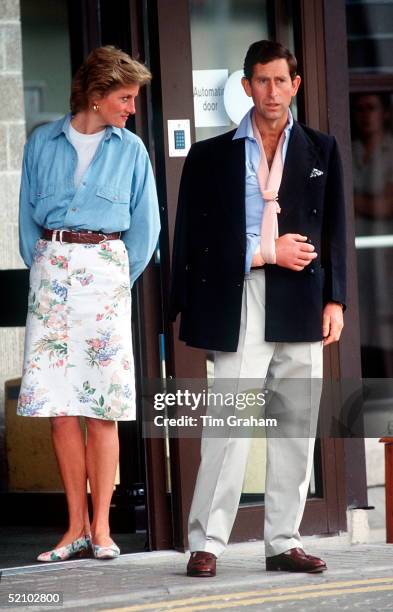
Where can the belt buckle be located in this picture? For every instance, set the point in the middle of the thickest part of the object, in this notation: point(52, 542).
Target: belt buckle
point(60, 233)
point(104, 238)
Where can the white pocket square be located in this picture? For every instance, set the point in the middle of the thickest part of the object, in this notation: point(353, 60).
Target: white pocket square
point(316, 172)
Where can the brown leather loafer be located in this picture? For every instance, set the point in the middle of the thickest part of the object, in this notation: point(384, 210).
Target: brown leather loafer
point(295, 560)
point(202, 564)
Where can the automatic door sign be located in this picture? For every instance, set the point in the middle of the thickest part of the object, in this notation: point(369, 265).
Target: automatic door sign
point(208, 89)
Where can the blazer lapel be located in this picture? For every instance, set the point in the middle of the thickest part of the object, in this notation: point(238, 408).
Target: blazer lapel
point(299, 162)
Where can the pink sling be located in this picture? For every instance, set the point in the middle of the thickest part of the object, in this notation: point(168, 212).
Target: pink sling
point(269, 184)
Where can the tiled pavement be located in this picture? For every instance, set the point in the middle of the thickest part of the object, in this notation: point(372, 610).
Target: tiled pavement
point(151, 579)
point(360, 577)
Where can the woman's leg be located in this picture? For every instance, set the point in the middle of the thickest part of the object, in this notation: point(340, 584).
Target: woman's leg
point(102, 456)
point(69, 444)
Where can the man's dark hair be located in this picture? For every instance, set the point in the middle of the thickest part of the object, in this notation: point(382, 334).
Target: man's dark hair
point(265, 51)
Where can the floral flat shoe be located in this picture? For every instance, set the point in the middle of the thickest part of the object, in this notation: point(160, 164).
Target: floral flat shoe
point(106, 552)
point(77, 548)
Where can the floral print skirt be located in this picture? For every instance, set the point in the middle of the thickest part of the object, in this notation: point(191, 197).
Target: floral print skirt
point(78, 348)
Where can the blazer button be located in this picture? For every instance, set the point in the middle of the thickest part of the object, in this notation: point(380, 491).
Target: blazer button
point(314, 211)
point(203, 280)
point(311, 270)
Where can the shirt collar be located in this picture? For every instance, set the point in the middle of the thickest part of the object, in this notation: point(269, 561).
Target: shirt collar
point(245, 126)
point(62, 127)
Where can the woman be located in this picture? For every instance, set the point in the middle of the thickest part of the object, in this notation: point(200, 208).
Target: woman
point(89, 224)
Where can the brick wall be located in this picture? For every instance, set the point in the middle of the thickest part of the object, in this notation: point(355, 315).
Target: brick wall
point(12, 138)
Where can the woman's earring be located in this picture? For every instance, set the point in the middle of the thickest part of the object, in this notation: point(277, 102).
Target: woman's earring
point(95, 107)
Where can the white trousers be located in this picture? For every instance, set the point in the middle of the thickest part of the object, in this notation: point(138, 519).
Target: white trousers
point(289, 459)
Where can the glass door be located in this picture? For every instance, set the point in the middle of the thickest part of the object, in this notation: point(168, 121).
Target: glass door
point(370, 50)
point(196, 85)
point(372, 151)
point(370, 55)
point(220, 36)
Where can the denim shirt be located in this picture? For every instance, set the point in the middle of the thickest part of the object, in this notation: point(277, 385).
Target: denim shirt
point(117, 193)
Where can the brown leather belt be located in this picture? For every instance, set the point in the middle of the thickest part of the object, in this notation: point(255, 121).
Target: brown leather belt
point(80, 237)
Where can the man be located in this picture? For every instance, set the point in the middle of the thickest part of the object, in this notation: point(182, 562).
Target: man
point(265, 301)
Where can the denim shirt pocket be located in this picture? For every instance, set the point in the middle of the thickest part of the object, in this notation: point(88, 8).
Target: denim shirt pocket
point(42, 195)
point(113, 195)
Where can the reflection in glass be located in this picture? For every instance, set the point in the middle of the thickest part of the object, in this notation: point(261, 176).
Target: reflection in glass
point(46, 60)
point(372, 153)
point(221, 33)
point(370, 38)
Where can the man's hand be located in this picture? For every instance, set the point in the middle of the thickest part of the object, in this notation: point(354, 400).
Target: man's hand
point(293, 252)
point(333, 322)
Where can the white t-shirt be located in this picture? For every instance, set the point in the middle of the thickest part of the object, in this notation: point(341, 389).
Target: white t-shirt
point(86, 146)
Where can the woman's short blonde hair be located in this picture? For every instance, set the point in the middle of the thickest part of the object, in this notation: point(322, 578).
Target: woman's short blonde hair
point(105, 69)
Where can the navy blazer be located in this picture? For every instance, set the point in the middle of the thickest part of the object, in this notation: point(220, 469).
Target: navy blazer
point(210, 241)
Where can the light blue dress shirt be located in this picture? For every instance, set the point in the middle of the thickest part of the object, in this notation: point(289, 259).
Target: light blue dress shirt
point(117, 192)
point(254, 199)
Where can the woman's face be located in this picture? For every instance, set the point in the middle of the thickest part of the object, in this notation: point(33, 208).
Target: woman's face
point(115, 108)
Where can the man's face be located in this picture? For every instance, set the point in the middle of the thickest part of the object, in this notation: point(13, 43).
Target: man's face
point(271, 89)
point(370, 115)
